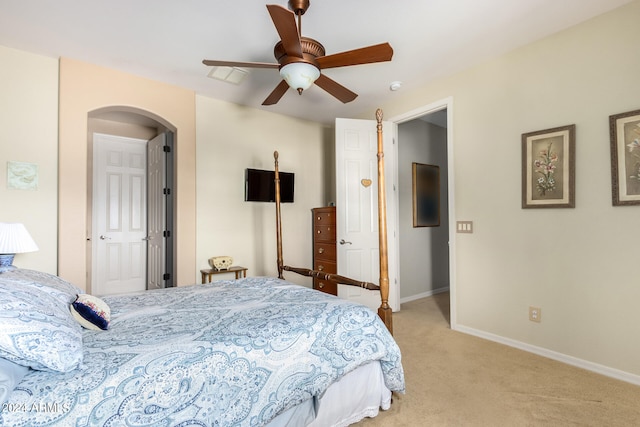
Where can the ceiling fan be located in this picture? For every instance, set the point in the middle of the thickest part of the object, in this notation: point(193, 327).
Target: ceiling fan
point(301, 59)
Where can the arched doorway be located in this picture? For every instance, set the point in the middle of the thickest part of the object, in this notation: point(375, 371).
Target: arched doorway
point(130, 203)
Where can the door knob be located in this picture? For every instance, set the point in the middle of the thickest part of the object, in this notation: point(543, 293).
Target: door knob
point(343, 242)
point(103, 237)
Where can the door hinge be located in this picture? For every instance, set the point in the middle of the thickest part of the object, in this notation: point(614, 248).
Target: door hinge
point(166, 233)
point(166, 276)
point(166, 191)
point(166, 148)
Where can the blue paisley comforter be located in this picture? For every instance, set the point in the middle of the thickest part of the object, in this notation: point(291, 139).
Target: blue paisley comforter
point(234, 353)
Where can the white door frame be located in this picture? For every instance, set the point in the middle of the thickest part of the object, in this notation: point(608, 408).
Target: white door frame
point(413, 114)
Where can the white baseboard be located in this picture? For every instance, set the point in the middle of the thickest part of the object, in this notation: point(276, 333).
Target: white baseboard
point(424, 295)
point(569, 360)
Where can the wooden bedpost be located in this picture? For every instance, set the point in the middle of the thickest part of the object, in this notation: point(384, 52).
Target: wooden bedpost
point(384, 311)
point(278, 219)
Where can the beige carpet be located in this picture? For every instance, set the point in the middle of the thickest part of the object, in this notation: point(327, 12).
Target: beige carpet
point(454, 379)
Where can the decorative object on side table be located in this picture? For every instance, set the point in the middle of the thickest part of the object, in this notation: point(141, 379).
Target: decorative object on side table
point(220, 262)
point(624, 131)
point(548, 168)
point(14, 239)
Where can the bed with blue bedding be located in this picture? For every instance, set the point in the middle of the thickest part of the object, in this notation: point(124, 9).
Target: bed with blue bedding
point(229, 353)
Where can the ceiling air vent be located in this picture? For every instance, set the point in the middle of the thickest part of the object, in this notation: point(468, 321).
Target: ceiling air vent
point(233, 75)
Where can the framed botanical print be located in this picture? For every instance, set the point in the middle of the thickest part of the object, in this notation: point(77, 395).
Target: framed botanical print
point(624, 132)
point(548, 168)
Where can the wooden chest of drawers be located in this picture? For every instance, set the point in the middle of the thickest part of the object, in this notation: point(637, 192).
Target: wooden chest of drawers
point(324, 247)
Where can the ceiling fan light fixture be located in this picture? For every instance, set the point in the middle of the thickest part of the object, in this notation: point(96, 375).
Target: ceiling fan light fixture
point(300, 75)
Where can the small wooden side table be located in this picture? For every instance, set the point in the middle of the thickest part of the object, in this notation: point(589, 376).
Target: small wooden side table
point(208, 272)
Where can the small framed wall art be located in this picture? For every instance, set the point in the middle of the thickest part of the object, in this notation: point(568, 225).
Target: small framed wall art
point(624, 130)
point(22, 176)
point(548, 168)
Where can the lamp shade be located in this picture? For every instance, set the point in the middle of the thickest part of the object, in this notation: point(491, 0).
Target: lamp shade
point(300, 75)
point(15, 239)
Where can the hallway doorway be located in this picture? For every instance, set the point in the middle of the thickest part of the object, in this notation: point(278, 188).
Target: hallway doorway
point(427, 254)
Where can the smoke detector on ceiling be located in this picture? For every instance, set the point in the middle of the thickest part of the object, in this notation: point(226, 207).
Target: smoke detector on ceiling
point(394, 86)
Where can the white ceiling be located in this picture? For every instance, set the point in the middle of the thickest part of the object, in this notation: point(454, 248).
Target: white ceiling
point(167, 40)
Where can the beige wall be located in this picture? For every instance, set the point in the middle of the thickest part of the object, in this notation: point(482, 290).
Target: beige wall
point(29, 122)
point(84, 88)
point(232, 138)
point(579, 265)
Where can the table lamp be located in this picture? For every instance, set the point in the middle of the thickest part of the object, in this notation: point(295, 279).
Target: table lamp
point(14, 239)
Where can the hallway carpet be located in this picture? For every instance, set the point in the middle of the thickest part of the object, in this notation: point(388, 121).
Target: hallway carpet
point(455, 379)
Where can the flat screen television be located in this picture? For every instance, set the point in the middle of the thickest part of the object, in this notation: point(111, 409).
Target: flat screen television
point(259, 186)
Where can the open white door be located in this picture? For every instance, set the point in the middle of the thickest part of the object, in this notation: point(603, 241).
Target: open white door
point(119, 214)
point(157, 199)
point(357, 209)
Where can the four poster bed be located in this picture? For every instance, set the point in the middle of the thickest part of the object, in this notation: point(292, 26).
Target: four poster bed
point(249, 352)
point(384, 311)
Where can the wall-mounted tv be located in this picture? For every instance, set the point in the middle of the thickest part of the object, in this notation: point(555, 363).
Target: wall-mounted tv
point(259, 186)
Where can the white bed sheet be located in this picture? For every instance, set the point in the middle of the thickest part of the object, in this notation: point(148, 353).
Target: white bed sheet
point(359, 394)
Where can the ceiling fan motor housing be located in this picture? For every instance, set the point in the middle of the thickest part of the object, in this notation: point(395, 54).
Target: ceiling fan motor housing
point(311, 49)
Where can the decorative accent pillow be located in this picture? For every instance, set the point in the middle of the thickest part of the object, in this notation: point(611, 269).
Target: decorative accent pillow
point(37, 328)
point(91, 312)
point(10, 375)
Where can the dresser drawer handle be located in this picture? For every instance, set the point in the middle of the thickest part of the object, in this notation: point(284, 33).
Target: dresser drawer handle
point(319, 218)
point(320, 285)
point(321, 250)
point(321, 267)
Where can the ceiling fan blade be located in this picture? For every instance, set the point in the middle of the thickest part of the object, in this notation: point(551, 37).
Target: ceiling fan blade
point(366, 55)
point(240, 64)
point(277, 93)
point(336, 89)
point(285, 22)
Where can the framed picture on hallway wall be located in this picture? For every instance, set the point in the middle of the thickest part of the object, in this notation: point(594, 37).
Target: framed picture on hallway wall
point(624, 130)
point(548, 168)
point(426, 195)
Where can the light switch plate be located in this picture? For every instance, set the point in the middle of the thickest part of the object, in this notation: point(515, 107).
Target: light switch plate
point(464, 226)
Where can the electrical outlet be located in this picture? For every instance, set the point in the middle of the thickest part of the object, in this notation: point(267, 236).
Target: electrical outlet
point(535, 314)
